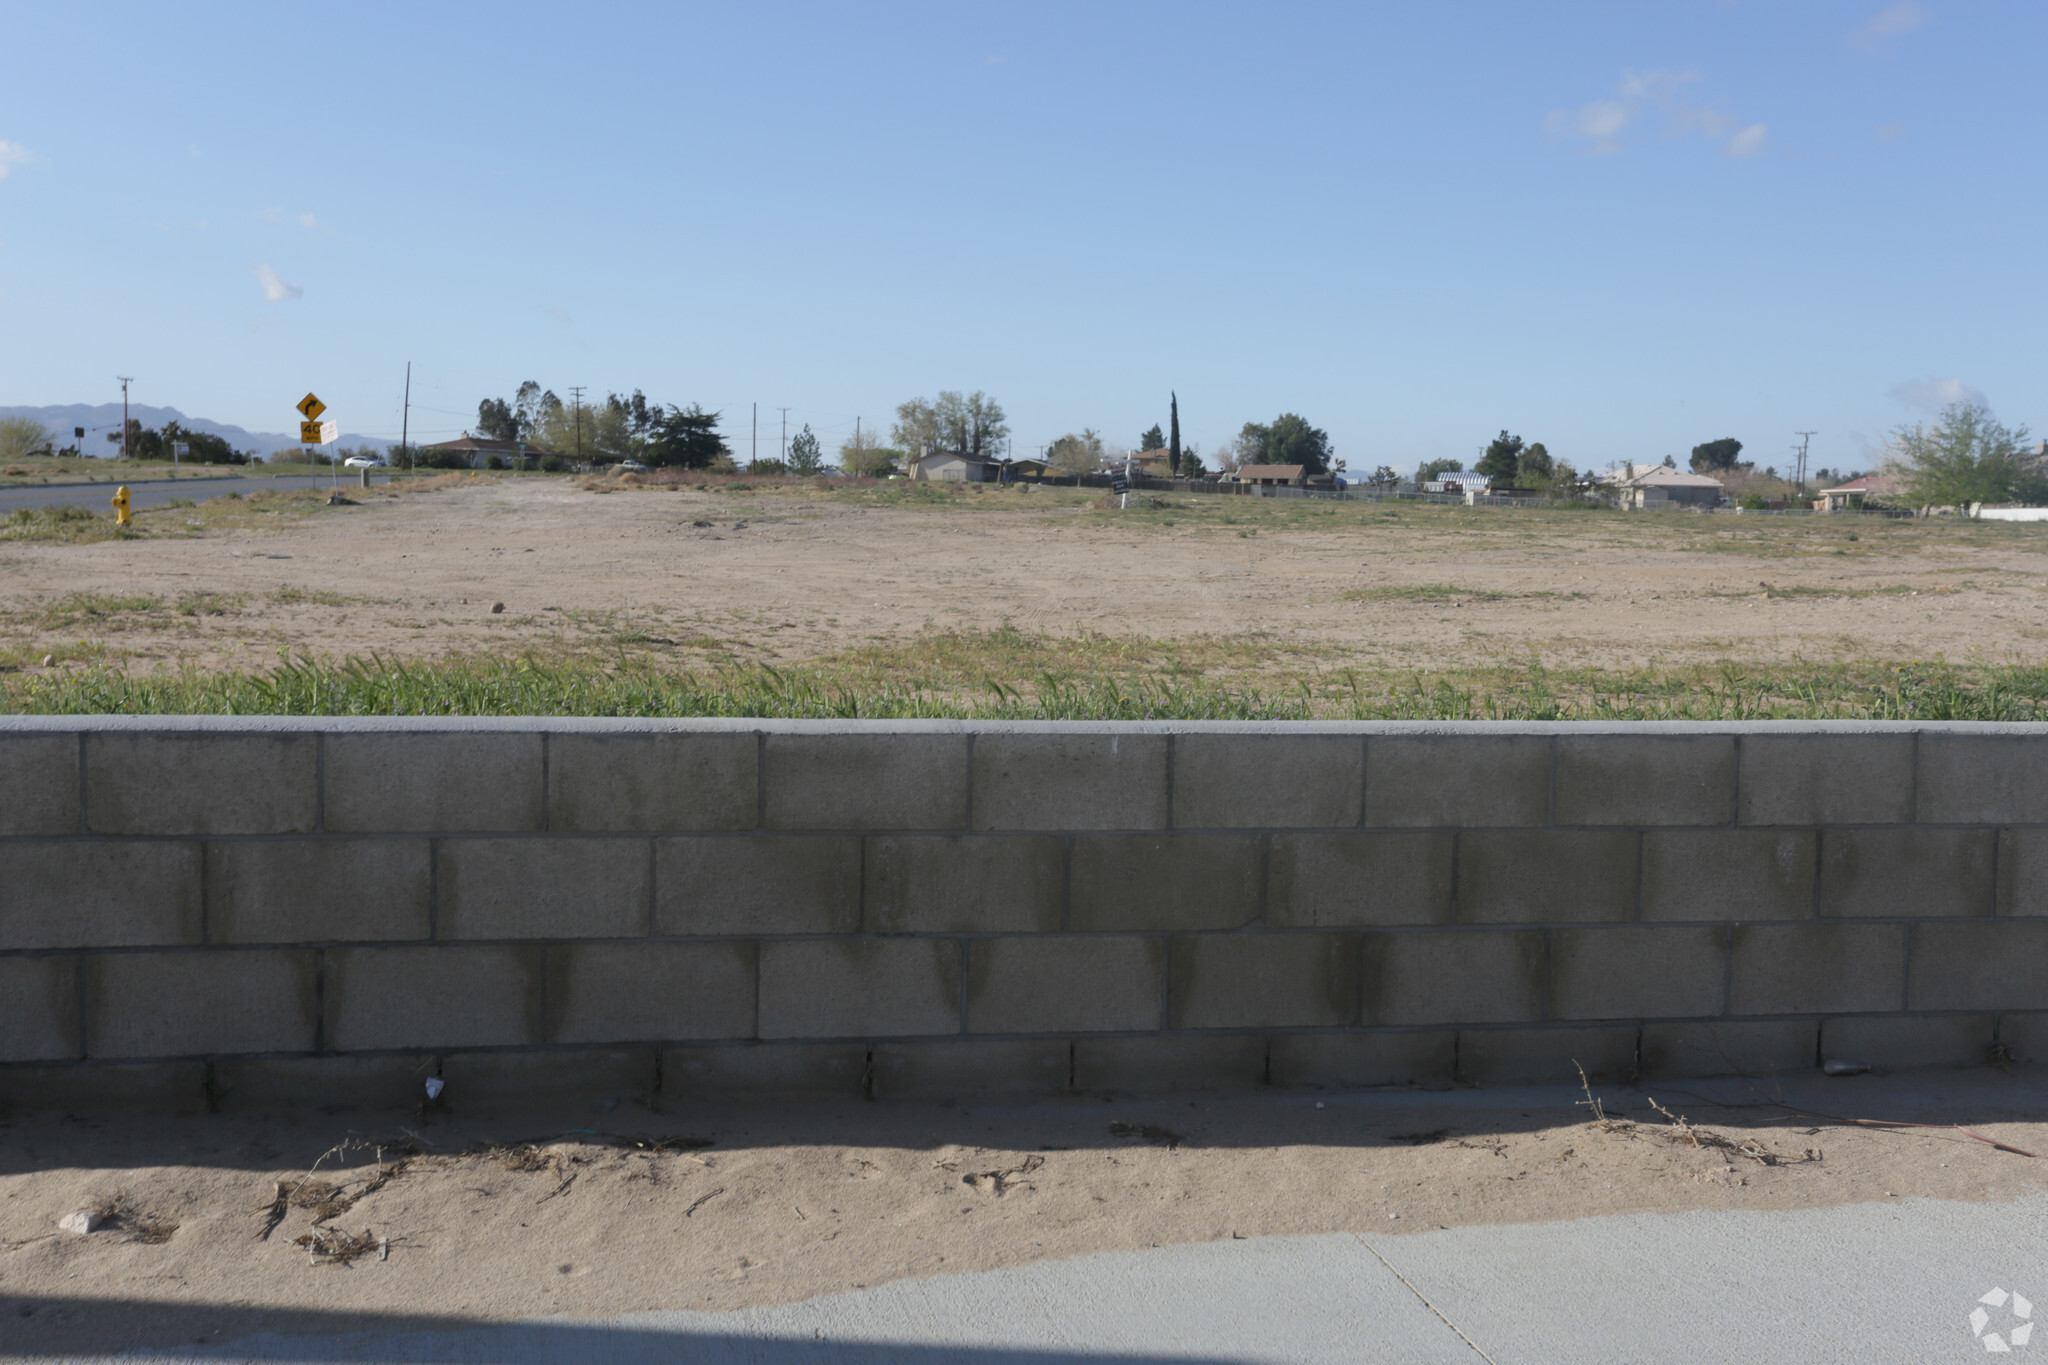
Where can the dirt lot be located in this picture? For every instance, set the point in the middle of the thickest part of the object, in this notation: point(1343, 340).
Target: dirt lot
point(700, 576)
point(723, 1207)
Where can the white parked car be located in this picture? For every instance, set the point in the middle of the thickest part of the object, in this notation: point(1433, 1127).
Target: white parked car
point(632, 466)
point(363, 462)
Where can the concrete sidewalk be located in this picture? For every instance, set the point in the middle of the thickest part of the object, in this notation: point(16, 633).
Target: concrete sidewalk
point(1863, 1283)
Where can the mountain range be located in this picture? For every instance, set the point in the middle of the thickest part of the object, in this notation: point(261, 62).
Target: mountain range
point(104, 419)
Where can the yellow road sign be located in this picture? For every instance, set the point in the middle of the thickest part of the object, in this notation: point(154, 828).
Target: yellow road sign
point(310, 407)
point(309, 433)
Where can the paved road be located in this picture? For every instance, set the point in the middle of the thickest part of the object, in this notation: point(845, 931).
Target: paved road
point(158, 492)
point(1869, 1283)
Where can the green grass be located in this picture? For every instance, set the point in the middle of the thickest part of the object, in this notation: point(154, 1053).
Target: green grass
point(844, 689)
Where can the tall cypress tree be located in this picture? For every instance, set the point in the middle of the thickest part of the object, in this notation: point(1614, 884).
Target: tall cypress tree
point(1173, 448)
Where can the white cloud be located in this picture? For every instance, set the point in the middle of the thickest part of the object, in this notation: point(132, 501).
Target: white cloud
point(1935, 394)
point(274, 286)
point(12, 154)
point(1901, 16)
point(1658, 95)
point(1748, 142)
point(304, 220)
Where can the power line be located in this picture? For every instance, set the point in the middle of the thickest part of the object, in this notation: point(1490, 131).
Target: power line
point(576, 390)
point(1804, 436)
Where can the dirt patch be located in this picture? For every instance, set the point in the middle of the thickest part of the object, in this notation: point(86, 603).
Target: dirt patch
point(738, 1206)
point(701, 577)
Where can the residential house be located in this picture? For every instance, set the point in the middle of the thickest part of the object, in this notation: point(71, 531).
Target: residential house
point(952, 466)
point(1659, 485)
point(1274, 475)
point(479, 451)
point(1858, 492)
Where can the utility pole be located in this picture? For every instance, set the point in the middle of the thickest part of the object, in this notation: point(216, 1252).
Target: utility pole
point(577, 391)
point(405, 420)
point(785, 434)
point(1804, 436)
point(126, 380)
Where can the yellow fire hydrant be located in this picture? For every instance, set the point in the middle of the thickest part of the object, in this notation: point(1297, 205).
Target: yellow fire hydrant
point(120, 501)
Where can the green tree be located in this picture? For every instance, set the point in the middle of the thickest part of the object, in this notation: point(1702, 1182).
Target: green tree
point(1153, 439)
point(1173, 450)
point(1709, 456)
point(1077, 452)
point(804, 455)
point(1289, 439)
point(1534, 468)
point(1383, 478)
point(685, 438)
point(1431, 470)
point(971, 424)
point(867, 457)
point(1968, 456)
point(495, 422)
point(21, 437)
point(1503, 456)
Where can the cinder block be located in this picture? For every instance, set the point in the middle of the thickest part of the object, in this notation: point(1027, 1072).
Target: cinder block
point(110, 893)
point(1093, 983)
point(1353, 1061)
point(544, 888)
point(1909, 1040)
point(769, 884)
point(201, 783)
point(1267, 781)
point(1729, 874)
point(1163, 1062)
point(1645, 779)
point(653, 783)
point(1637, 972)
point(1438, 780)
point(2023, 872)
point(317, 890)
point(1817, 968)
point(1359, 880)
point(1986, 965)
point(39, 784)
point(1546, 876)
point(184, 1004)
point(282, 1084)
point(882, 781)
point(1906, 873)
point(1983, 779)
point(90, 1088)
point(860, 988)
point(964, 883)
point(1726, 1048)
point(2024, 1037)
point(1164, 881)
point(650, 992)
point(1454, 977)
point(39, 1009)
point(963, 1068)
point(503, 1082)
point(1061, 782)
point(482, 783)
point(433, 997)
point(747, 1071)
point(1826, 780)
point(1290, 980)
point(1547, 1056)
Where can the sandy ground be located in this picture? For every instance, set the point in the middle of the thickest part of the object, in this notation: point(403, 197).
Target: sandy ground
point(722, 1207)
point(701, 576)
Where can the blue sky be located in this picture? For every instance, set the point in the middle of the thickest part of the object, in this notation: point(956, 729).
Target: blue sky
point(1620, 229)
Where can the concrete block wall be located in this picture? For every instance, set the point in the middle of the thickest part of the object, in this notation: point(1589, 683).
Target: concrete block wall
point(238, 913)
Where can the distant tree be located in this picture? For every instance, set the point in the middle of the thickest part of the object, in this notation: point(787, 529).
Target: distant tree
point(972, 424)
point(867, 457)
point(1429, 471)
point(1190, 465)
point(202, 448)
point(1502, 459)
point(1709, 456)
point(495, 422)
point(1383, 478)
point(804, 455)
point(1670, 462)
point(1289, 439)
point(1968, 456)
point(21, 437)
point(1173, 450)
point(917, 428)
point(1534, 467)
point(686, 438)
point(1077, 452)
point(1153, 439)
